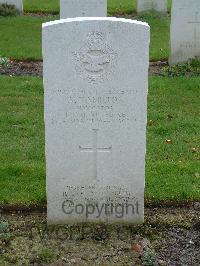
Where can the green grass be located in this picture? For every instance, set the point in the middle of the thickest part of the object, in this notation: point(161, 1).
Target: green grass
point(121, 6)
point(20, 37)
point(171, 169)
point(52, 6)
point(159, 45)
point(45, 6)
point(191, 68)
point(22, 169)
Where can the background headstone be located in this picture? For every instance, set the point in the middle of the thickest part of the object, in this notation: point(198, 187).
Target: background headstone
point(185, 30)
point(17, 3)
point(95, 82)
point(147, 5)
point(83, 8)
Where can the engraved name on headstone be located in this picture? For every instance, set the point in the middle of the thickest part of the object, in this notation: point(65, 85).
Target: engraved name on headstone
point(95, 83)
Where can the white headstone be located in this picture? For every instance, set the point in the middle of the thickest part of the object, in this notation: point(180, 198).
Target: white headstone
point(185, 30)
point(95, 83)
point(147, 5)
point(17, 3)
point(83, 8)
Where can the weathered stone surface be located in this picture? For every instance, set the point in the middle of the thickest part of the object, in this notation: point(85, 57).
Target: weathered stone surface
point(147, 5)
point(185, 31)
point(17, 3)
point(83, 8)
point(95, 81)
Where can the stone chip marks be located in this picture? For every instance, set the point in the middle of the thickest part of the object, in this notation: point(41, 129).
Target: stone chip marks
point(95, 86)
point(17, 3)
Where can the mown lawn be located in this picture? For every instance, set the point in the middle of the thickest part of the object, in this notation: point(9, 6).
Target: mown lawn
point(45, 6)
point(160, 31)
point(52, 6)
point(22, 170)
point(172, 169)
point(20, 37)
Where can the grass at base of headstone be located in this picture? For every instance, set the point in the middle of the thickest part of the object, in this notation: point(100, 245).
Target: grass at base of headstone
point(43, 6)
point(121, 6)
point(22, 168)
point(52, 6)
point(160, 30)
point(190, 68)
point(127, 6)
point(172, 163)
point(20, 37)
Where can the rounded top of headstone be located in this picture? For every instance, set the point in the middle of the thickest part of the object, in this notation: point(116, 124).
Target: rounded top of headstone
point(82, 19)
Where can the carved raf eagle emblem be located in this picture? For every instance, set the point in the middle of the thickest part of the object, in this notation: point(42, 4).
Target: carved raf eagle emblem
point(95, 59)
